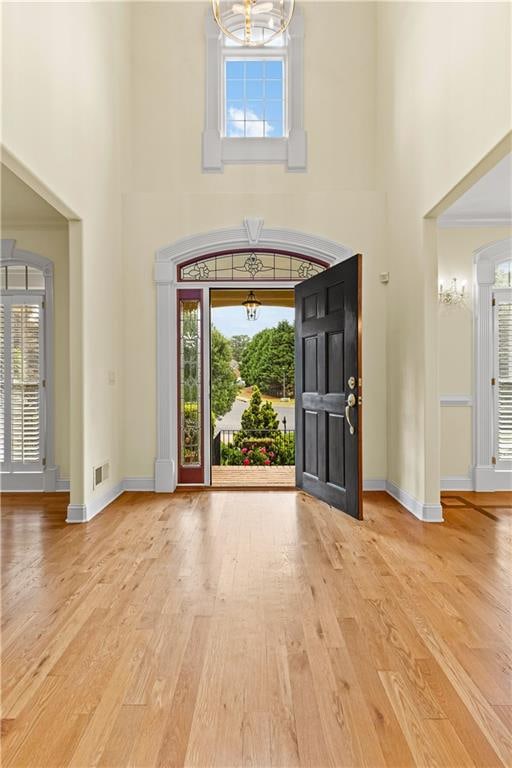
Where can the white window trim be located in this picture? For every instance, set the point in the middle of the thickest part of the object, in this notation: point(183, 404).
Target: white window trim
point(486, 475)
point(46, 479)
point(292, 148)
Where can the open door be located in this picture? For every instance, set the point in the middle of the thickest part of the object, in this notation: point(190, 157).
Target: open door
point(328, 455)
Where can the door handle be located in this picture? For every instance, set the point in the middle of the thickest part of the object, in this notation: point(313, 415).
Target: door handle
point(351, 401)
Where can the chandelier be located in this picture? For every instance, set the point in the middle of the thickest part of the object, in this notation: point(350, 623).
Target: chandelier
point(253, 22)
point(452, 294)
point(252, 306)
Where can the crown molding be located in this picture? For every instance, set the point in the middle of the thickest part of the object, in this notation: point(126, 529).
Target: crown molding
point(455, 222)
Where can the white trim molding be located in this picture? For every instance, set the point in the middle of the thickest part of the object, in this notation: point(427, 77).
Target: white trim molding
point(82, 513)
point(427, 513)
point(49, 476)
point(458, 401)
point(292, 148)
point(457, 483)
point(251, 233)
point(485, 475)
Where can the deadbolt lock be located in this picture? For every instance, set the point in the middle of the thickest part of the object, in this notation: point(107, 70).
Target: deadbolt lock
point(352, 382)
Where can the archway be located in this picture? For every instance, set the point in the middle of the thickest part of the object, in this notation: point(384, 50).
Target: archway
point(179, 277)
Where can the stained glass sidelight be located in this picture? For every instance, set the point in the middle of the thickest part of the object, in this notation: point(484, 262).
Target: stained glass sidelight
point(250, 265)
point(190, 382)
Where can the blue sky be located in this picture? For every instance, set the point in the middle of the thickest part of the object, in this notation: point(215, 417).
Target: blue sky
point(232, 321)
point(254, 98)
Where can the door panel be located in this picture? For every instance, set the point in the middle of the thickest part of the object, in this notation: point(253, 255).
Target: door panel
point(328, 386)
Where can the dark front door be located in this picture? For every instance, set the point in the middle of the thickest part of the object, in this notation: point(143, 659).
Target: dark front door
point(328, 386)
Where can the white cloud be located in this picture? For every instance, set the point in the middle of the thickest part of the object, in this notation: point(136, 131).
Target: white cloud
point(252, 129)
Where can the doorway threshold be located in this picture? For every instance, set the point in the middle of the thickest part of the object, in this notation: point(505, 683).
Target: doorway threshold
point(253, 477)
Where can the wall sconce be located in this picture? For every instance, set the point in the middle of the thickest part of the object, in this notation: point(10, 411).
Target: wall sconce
point(453, 293)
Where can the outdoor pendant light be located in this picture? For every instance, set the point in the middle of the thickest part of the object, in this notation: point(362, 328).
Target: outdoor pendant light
point(252, 306)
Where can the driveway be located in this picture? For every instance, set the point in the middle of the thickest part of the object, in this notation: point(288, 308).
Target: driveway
point(232, 419)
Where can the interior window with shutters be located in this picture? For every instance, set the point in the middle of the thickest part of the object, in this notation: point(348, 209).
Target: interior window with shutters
point(503, 384)
point(21, 362)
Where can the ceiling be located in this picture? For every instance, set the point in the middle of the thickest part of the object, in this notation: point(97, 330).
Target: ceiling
point(275, 297)
point(487, 202)
point(21, 205)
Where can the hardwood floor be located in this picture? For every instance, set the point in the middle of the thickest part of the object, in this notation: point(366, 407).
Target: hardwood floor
point(229, 629)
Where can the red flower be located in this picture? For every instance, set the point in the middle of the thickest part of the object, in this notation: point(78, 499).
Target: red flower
point(244, 450)
point(271, 454)
point(263, 450)
point(267, 461)
point(246, 462)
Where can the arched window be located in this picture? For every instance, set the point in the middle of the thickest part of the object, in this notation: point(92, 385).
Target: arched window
point(503, 275)
point(260, 265)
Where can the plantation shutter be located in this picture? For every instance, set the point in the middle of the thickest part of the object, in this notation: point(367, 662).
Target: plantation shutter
point(25, 384)
point(21, 372)
point(2, 383)
point(503, 340)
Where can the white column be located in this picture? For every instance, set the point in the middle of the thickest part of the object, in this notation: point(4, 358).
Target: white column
point(484, 427)
point(165, 463)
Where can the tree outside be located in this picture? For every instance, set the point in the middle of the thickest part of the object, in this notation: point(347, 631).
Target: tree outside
point(268, 360)
point(254, 433)
point(239, 343)
point(224, 388)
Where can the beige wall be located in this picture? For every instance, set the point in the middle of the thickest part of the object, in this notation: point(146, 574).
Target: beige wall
point(170, 197)
point(53, 244)
point(116, 91)
point(65, 86)
point(444, 102)
point(455, 248)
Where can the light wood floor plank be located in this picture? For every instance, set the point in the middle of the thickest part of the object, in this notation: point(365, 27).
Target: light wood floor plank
point(223, 629)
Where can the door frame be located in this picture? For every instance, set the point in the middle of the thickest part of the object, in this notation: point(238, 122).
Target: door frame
point(44, 478)
point(252, 235)
point(486, 476)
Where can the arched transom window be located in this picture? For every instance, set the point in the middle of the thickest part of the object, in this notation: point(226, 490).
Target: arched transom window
point(503, 275)
point(260, 265)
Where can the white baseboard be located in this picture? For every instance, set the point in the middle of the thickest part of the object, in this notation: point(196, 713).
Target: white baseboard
point(374, 485)
point(44, 481)
point(77, 513)
point(457, 483)
point(488, 478)
point(82, 513)
point(139, 484)
point(428, 513)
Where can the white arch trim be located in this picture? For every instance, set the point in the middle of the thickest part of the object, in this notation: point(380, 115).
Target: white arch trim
point(49, 479)
point(252, 234)
point(485, 475)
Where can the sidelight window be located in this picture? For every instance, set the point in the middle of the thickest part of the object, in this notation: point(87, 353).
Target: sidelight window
point(190, 383)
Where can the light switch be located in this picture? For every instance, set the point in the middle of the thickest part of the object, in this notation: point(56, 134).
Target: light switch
point(111, 377)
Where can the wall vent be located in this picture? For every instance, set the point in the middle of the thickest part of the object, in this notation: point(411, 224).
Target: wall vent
point(100, 474)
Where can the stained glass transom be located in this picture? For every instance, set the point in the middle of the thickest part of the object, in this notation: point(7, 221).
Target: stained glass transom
point(250, 265)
